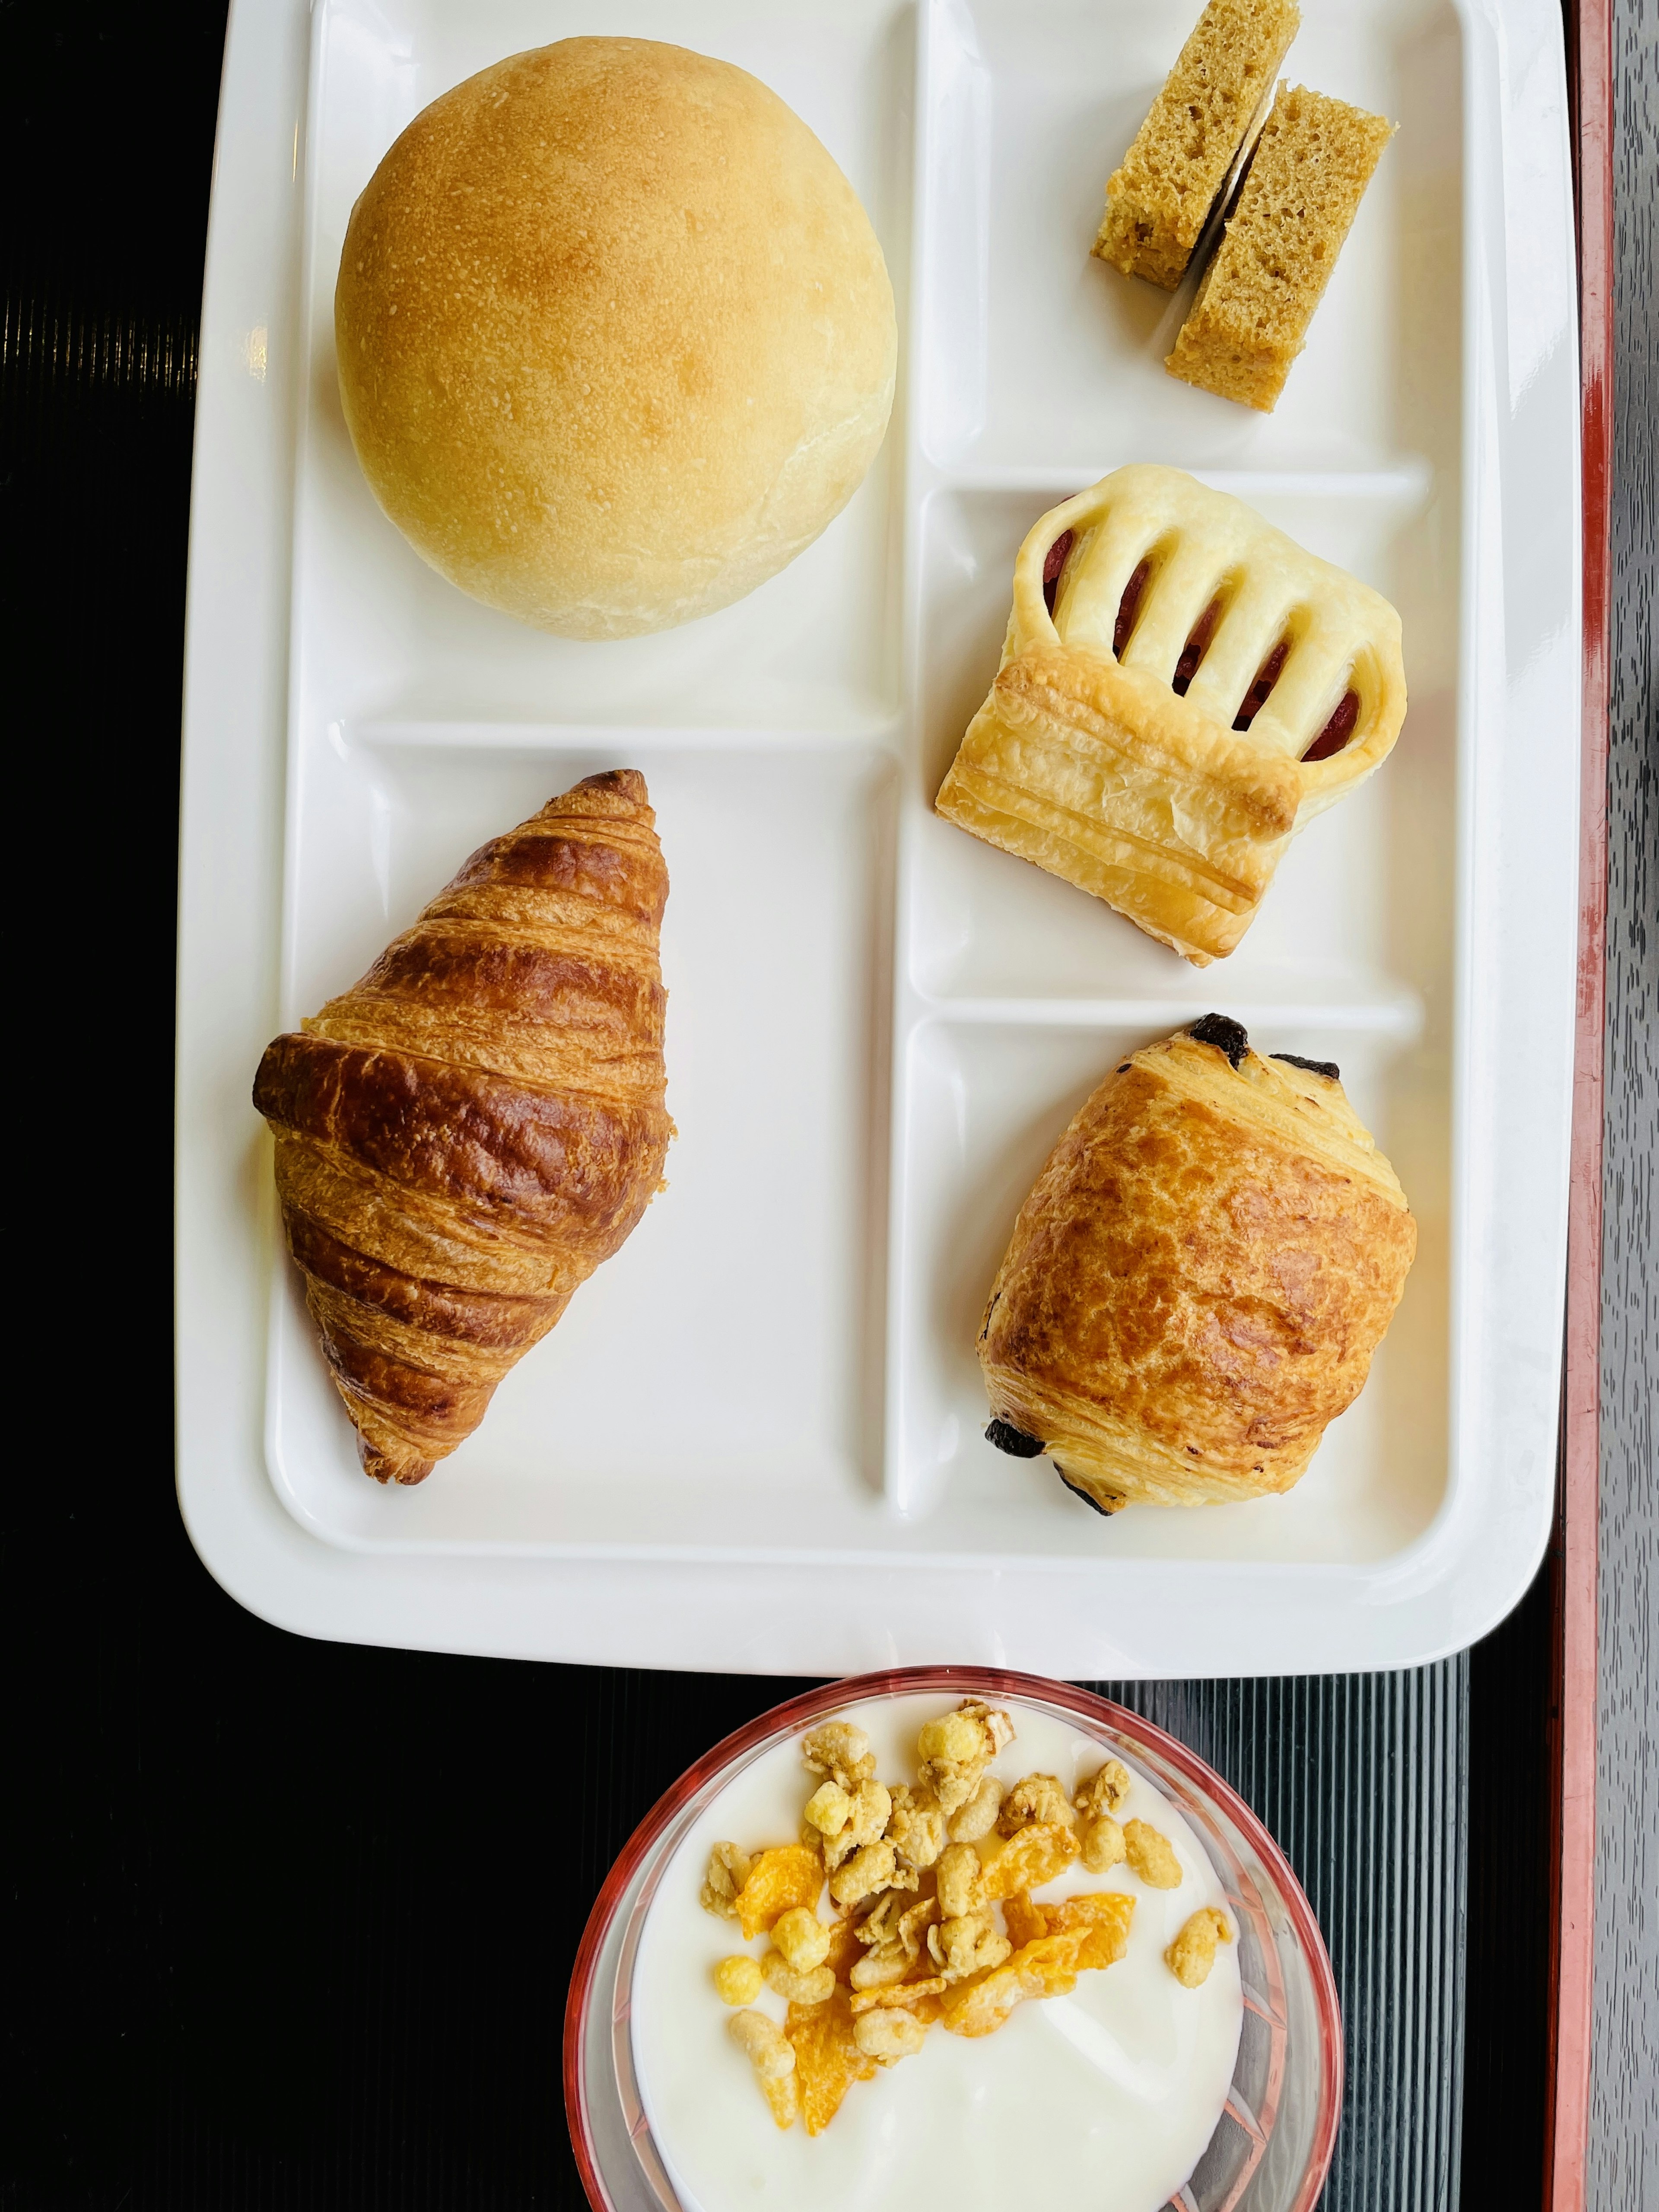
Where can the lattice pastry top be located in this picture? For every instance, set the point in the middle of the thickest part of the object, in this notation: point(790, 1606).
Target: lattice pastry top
point(1183, 687)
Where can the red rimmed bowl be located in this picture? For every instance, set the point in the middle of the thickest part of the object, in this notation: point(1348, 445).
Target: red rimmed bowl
point(1271, 2146)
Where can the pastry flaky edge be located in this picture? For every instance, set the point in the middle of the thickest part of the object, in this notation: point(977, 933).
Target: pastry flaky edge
point(1098, 772)
point(1199, 1279)
point(464, 1136)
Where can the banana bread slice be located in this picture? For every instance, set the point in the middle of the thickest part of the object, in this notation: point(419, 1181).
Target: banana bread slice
point(1160, 196)
point(1306, 177)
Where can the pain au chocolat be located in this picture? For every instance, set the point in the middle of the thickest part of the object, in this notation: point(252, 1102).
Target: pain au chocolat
point(1182, 689)
point(1196, 1284)
point(468, 1132)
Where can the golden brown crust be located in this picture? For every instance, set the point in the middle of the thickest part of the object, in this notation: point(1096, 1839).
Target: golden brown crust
point(463, 1137)
point(1086, 760)
point(615, 337)
point(1196, 1284)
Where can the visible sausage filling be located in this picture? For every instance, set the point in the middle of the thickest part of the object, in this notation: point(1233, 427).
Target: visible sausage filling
point(1265, 676)
point(1337, 731)
point(1129, 606)
point(1193, 652)
point(1055, 560)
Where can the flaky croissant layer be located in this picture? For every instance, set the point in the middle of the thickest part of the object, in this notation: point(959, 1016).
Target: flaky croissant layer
point(1196, 1284)
point(470, 1130)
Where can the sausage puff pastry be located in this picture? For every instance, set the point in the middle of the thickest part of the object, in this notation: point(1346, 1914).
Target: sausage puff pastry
point(468, 1132)
point(1183, 687)
point(1197, 1283)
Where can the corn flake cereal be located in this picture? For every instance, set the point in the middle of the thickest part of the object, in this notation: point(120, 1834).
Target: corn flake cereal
point(1101, 1919)
point(828, 2060)
point(845, 1948)
point(1045, 1968)
point(1024, 1920)
point(1028, 1859)
point(908, 1996)
point(778, 1881)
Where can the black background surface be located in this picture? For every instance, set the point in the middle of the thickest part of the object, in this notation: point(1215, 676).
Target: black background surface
point(293, 1921)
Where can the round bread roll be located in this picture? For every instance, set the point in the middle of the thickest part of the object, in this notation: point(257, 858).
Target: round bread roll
point(616, 339)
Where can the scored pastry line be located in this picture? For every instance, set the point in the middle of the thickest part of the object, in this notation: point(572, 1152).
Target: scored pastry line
point(1143, 855)
point(1116, 723)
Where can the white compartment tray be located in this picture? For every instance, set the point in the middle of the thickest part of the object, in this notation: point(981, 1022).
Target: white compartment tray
point(755, 1441)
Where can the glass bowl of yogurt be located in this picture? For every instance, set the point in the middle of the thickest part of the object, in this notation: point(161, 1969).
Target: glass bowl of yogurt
point(1135, 2087)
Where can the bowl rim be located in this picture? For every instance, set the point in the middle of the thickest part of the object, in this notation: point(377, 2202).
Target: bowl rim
point(898, 1682)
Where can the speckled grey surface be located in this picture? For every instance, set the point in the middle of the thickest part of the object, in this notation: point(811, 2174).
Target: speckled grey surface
point(1624, 2155)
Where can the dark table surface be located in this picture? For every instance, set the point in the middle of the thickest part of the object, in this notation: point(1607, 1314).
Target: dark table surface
point(296, 1918)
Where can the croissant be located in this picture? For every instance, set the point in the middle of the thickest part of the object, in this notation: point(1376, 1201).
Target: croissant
point(466, 1133)
point(1197, 1283)
point(1181, 689)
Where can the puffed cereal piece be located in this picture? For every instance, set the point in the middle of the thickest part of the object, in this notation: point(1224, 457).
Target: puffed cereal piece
point(1103, 1847)
point(970, 1944)
point(829, 2059)
point(802, 1937)
point(979, 1815)
point(878, 1969)
point(889, 2035)
point(1192, 1954)
point(773, 2056)
point(1151, 1856)
point(996, 1726)
point(738, 1979)
point(961, 1881)
point(955, 1750)
point(954, 1737)
point(870, 1869)
point(789, 1875)
point(828, 1808)
point(1104, 1792)
point(916, 1828)
point(868, 1809)
point(1026, 1861)
point(1038, 1799)
point(728, 1870)
point(880, 1924)
point(872, 1807)
point(839, 1749)
point(812, 1988)
point(914, 1923)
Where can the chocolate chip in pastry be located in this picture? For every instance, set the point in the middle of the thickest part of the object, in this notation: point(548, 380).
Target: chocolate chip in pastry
point(1182, 689)
point(1196, 1284)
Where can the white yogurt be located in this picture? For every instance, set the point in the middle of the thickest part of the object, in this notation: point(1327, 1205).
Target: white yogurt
point(1103, 2100)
